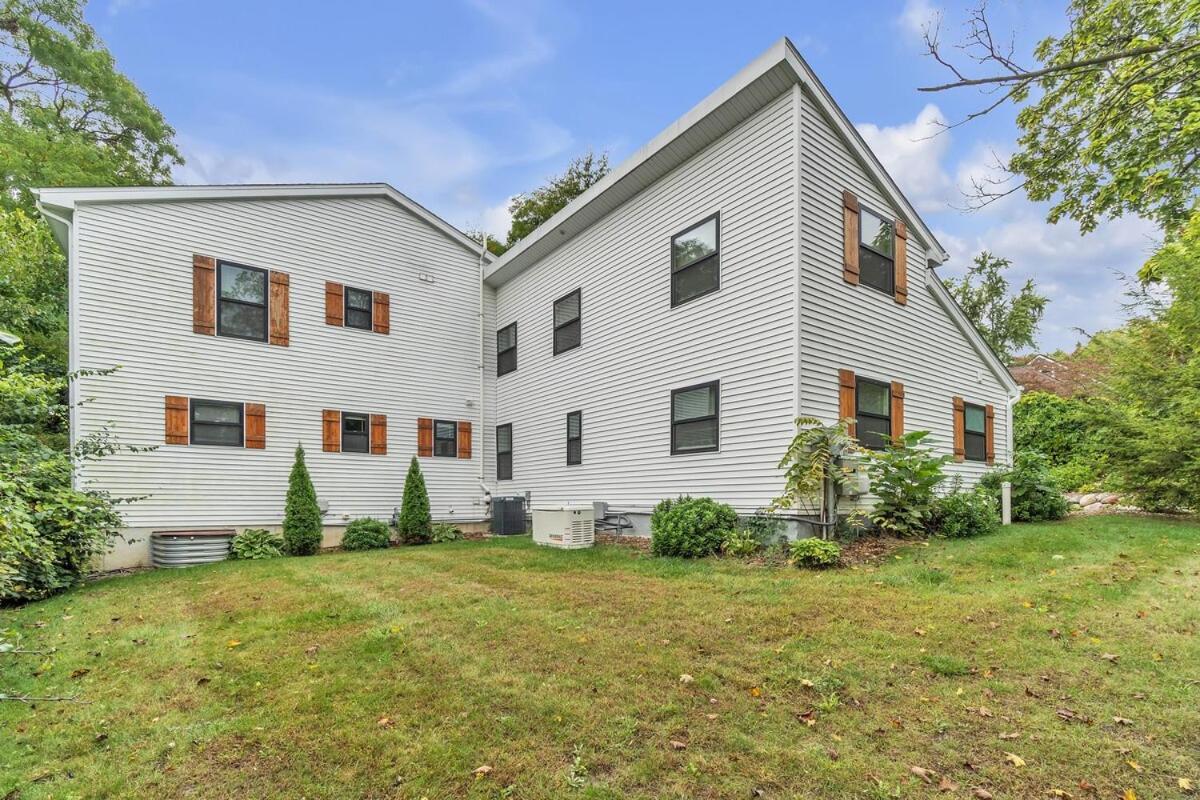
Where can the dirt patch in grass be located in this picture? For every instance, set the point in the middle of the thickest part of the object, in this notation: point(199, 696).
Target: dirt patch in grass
point(871, 549)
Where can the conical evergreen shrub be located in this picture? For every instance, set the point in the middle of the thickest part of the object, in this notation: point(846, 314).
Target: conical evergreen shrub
point(416, 525)
point(301, 515)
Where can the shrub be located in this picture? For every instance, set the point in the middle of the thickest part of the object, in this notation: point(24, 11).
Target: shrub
point(255, 543)
point(751, 535)
point(366, 534)
point(740, 543)
point(1076, 476)
point(415, 525)
point(1035, 496)
point(815, 553)
point(444, 532)
point(962, 514)
point(690, 527)
point(903, 478)
point(301, 515)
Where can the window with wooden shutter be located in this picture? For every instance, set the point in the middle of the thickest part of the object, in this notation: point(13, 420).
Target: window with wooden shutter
point(897, 409)
point(850, 238)
point(464, 439)
point(334, 308)
point(873, 413)
point(846, 399)
point(279, 309)
point(379, 434)
point(331, 431)
point(960, 443)
point(176, 420)
point(204, 295)
point(901, 290)
point(990, 433)
point(383, 312)
point(425, 437)
point(256, 426)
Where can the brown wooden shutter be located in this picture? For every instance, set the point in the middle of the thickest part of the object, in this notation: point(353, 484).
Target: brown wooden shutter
point(897, 409)
point(256, 426)
point(335, 309)
point(176, 420)
point(204, 295)
point(901, 262)
point(424, 437)
point(464, 439)
point(989, 433)
point(279, 305)
point(847, 408)
point(850, 237)
point(379, 434)
point(382, 315)
point(960, 429)
point(331, 431)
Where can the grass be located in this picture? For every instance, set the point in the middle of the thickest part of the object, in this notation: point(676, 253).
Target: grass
point(399, 673)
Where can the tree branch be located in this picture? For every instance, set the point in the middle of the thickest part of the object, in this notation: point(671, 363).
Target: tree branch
point(1024, 77)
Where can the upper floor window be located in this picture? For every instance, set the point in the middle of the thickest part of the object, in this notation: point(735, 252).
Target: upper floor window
point(356, 437)
point(445, 438)
point(358, 308)
point(873, 413)
point(216, 422)
point(242, 301)
point(695, 418)
point(575, 437)
point(696, 261)
point(876, 251)
point(504, 452)
point(974, 432)
point(506, 349)
point(566, 323)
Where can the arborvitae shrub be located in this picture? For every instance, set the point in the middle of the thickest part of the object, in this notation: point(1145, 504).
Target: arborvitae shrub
point(416, 524)
point(301, 515)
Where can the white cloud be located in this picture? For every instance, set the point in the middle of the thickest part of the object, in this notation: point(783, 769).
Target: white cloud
point(912, 152)
point(918, 15)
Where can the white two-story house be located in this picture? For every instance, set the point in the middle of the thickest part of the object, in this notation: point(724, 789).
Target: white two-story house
point(752, 264)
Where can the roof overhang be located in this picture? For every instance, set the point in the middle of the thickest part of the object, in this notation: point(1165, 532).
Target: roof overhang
point(764, 79)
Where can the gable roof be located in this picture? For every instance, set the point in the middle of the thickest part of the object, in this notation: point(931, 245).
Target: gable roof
point(58, 201)
point(764, 79)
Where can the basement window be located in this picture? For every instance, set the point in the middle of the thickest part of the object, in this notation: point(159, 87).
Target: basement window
point(876, 252)
point(217, 423)
point(506, 349)
point(974, 432)
point(242, 302)
point(873, 414)
point(695, 423)
point(566, 323)
point(696, 261)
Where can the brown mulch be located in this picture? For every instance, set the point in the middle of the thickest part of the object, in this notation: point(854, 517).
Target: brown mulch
point(871, 549)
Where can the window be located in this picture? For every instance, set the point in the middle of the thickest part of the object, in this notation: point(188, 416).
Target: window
point(975, 432)
point(696, 261)
point(217, 423)
point(506, 349)
point(876, 252)
point(575, 437)
point(694, 419)
point(873, 413)
point(504, 452)
point(445, 438)
point(566, 323)
point(356, 436)
point(358, 308)
point(242, 302)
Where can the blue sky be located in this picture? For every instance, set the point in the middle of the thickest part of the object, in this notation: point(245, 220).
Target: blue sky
point(463, 103)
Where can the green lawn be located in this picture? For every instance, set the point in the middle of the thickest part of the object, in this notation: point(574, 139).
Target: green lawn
point(399, 673)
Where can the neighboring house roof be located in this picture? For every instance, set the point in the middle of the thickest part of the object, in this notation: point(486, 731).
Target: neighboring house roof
point(1040, 372)
point(64, 200)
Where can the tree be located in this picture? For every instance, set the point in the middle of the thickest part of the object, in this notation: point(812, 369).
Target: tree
point(416, 523)
point(68, 117)
point(301, 515)
point(33, 297)
point(531, 209)
point(1006, 321)
point(494, 245)
point(1109, 111)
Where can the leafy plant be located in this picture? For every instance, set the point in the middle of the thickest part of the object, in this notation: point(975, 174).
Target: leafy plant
point(301, 515)
point(578, 774)
point(1070, 432)
point(740, 542)
point(815, 553)
point(690, 527)
point(366, 534)
point(813, 472)
point(1035, 496)
point(416, 523)
point(256, 543)
point(444, 532)
point(903, 479)
point(964, 513)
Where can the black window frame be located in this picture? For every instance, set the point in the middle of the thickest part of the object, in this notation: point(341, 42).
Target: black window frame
point(193, 425)
point(500, 365)
point(366, 434)
point(576, 457)
point(265, 305)
point(890, 288)
point(576, 323)
point(370, 312)
point(504, 457)
point(715, 417)
point(981, 435)
point(716, 254)
point(859, 413)
point(453, 440)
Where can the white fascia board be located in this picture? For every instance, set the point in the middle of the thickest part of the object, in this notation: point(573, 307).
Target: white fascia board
point(943, 298)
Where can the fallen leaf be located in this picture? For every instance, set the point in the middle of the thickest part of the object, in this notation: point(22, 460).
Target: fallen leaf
point(482, 770)
point(232, 643)
point(1111, 657)
point(947, 785)
point(1057, 793)
point(927, 775)
point(981, 794)
point(1014, 759)
point(385, 722)
point(1133, 765)
point(755, 692)
point(79, 673)
point(1010, 736)
point(1185, 786)
point(312, 650)
point(1122, 721)
point(678, 745)
point(686, 679)
point(919, 631)
point(1129, 794)
point(834, 755)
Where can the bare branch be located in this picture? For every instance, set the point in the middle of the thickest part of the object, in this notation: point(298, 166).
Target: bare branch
point(1025, 77)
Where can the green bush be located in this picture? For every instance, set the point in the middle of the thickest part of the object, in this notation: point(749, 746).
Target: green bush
point(815, 553)
point(444, 532)
point(962, 514)
point(752, 535)
point(416, 524)
point(366, 534)
point(903, 479)
point(1077, 476)
point(1035, 495)
point(255, 543)
point(740, 543)
point(301, 515)
point(690, 527)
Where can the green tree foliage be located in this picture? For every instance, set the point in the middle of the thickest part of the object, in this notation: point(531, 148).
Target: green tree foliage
point(33, 289)
point(1006, 321)
point(531, 209)
point(301, 515)
point(416, 521)
point(903, 480)
point(494, 245)
point(68, 117)
point(690, 527)
point(1035, 495)
point(811, 464)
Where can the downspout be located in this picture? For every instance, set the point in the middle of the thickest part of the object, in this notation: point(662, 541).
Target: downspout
point(487, 490)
